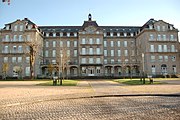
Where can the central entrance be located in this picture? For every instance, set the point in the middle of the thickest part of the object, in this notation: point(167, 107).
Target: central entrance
point(91, 71)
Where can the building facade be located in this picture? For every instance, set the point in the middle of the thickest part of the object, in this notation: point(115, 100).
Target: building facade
point(91, 50)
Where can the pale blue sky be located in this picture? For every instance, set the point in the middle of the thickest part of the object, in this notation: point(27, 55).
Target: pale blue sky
point(105, 12)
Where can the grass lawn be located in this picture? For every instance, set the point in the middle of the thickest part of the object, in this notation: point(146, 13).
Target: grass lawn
point(136, 82)
point(64, 83)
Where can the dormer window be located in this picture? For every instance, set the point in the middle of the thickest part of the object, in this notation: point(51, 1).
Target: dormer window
point(15, 28)
point(54, 34)
point(7, 27)
point(158, 28)
point(47, 34)
point(111, 34)
point(68, 34)
point(150, 27)
point(29, 27)
point(75, 34)
point(132, 34)
point(21, 28)
point(171, 28)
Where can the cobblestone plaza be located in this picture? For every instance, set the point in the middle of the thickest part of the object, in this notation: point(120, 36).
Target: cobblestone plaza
point(89, 100)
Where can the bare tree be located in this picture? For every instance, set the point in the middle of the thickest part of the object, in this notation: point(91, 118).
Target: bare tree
point(5, 69)
point(63, 58)
point(33, 51)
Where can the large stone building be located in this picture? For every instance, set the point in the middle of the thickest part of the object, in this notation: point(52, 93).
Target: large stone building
point(91, 50)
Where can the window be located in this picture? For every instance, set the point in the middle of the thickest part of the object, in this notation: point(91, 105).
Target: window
point(172, 37)
point(153, 69)
point(171, 27)
point(97, 41)
point(5, 59)
point(20, 38)
point(111, 34)
point(68, 34)
point(119, 60)
point(27, 59)
point(19, 59)
point(98, 60)
point(172, 48)
point(13, 59)
point(83, 51)
point(7, 38)
point(83, 41)
point(28, 37)
point(14, 49)
point(152, 58)
point(7, 27)
point(91, 41)
point(159, 37)
point(46, 53)
point(119, 52)
point(151, 37)
point(150, 27)
point(158, 28)
point(173, 58)
point(132, 53)
point(91, 60)
point(75, 53)
point(118, 34)
point(112, 52)
point(125, 43)
point(160, 58)
point(105, 43)
point(30, 26)
point(47, 44)
point(6, 50)
point(75, 34)
point(61, 43)
point(54, 53)
point(174, 68)
point(164, 37)
point(75, 43)
point(105, 52)
point(54, 43)
point(163, 28)
point(118, 43)
point(68, 43)
point(15, 38)
point(15, 28)
point(91, 51)
point(112, 61)
point(98, 51)
point(54, 34)
point(166, 58)
point(152, 48)
point(53, 61)
point(98, 69)
point(159, 48)
point(132, 34)
point(27, 71)
point(125, 52)
point(68, 52)
point(112, 43)
point(165, 48)
point(47, 34)
point(21, 28)
point(105, 61)
point(125, 34)
point(20, 49)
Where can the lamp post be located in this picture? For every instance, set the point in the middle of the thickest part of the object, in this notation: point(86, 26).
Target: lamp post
point(60, 66)
point(143, 68)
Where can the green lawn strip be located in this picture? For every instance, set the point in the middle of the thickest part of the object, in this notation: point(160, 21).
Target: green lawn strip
point(136, 82)
point(64, 83)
